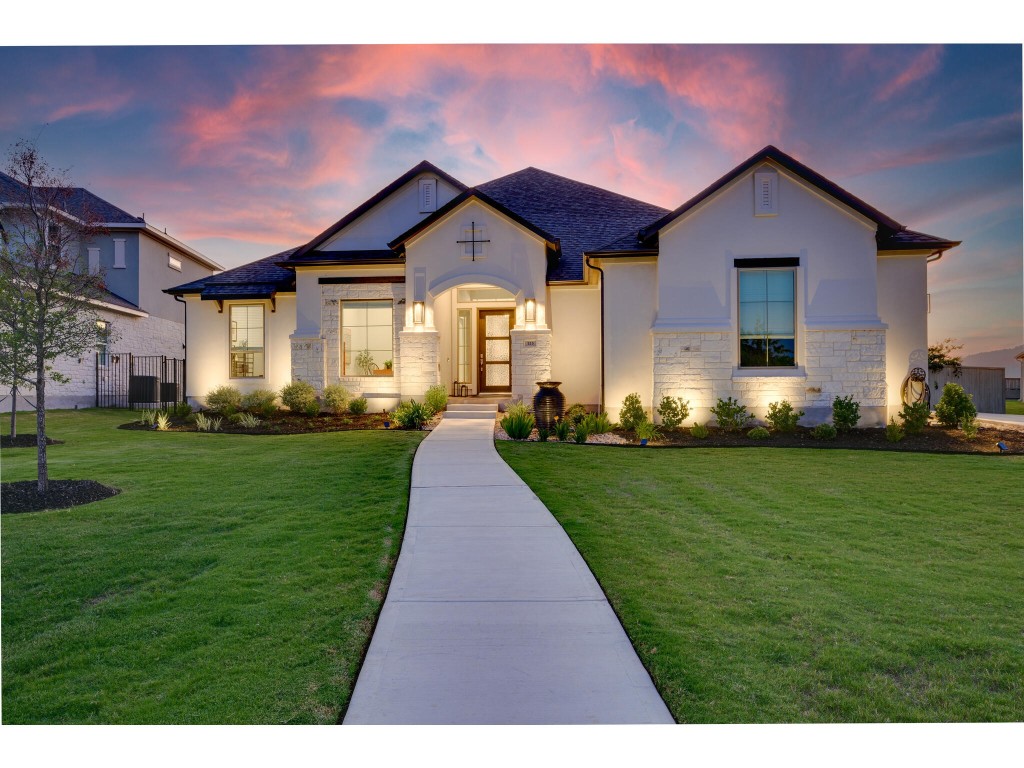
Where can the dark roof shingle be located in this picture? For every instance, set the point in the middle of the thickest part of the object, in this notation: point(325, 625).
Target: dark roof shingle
point(78, 202)
point(261, 278)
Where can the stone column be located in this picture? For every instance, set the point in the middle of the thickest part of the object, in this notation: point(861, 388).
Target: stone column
point(308, 360)
point(419, 353)
point(531, 361)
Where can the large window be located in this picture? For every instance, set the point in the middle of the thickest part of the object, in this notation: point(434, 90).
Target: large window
point(767, 318)
point(246, 356)
point(367, 337)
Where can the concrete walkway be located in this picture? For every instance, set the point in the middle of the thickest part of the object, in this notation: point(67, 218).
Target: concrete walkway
point(1006, 419)
point(492, 616)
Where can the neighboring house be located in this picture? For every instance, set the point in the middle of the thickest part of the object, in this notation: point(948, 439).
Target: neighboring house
point(1020, 381)
point(137, 261)
point(772, 283)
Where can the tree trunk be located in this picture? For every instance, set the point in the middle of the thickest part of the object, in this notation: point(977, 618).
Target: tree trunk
point(44, 478)
point(14, 412)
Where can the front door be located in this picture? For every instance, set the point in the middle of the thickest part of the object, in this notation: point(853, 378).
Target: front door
point(494, 349)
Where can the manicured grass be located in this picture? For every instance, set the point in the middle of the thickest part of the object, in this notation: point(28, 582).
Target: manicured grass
point(235, 579)
point(795, 585)
point(1015, 407)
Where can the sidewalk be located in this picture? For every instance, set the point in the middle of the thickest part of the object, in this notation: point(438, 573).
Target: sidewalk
point(492, 616)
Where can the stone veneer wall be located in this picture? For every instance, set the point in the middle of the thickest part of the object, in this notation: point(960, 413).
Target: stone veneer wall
point(136, 335)
point(699, 366)
point(531, 362)
point(421, 352)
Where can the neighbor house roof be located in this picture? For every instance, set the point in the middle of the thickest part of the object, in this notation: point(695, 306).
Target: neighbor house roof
point(79, 202)
point(257, 279)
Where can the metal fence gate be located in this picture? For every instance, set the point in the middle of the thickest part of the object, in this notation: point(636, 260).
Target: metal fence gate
point(124, 380)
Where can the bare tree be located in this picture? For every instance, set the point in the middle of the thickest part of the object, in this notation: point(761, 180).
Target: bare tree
point(46, 304)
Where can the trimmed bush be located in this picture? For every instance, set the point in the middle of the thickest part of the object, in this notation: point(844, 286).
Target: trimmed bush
point(759, 433)
point(518, 425)
point(893, 431)
point(436, 398)
point(954, 406)
point(845, 413)
point(358, 406)
point(298, 396)
point(574, 414)
point(914, 417)
point(260, 401)
point(336, 397)
point(730, 415)
point(968, 424)
point(782, 417)
point(224, 399)
point(632, 412)
point(824, 432)
point(673, 411)
point(411, 415)
point(595, 424)
point(699, 431)
point(562, 429)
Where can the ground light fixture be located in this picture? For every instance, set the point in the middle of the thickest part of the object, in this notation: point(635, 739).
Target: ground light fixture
point(1002, 447)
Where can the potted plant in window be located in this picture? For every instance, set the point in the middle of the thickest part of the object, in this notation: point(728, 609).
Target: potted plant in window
point(388, 366)
point(365, 362)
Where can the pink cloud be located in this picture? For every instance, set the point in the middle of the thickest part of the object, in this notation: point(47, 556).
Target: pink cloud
point(104, 105)
point(920, 67)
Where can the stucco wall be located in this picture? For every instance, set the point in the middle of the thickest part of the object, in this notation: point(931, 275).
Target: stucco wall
point(575, 319)
point(630, 308)
point(155, 275)
point(903, 306)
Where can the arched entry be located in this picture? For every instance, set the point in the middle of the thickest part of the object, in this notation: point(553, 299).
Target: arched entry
point(476, 321)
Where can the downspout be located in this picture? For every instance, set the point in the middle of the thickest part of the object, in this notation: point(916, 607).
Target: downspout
point(600, 272)
point(184, 346)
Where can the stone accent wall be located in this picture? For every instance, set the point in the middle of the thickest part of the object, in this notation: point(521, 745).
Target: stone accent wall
point(331, 297)
point(531, 361)
point(308, 360)
point(700, 367)
point(421, 352)
point(137, 335)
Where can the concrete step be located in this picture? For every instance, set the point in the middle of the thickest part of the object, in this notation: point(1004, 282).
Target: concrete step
point(472, 408)
point(470, 415)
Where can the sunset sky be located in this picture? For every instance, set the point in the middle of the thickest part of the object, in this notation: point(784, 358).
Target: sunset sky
point(244, 151)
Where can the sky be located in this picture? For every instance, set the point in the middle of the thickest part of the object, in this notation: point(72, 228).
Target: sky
point(241, 151)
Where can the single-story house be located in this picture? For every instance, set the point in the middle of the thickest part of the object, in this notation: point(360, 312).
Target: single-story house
point(771, 283)
point(135, 315)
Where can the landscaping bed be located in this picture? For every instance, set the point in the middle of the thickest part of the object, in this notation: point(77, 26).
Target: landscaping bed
point(281, 423)
point(24, 440)
point(60, 494)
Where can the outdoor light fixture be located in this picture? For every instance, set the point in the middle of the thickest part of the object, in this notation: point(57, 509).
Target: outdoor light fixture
point(531, 311)
point(417, 313)
point(1002, 447)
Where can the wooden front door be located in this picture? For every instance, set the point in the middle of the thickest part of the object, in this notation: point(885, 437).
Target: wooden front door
point(494, 349)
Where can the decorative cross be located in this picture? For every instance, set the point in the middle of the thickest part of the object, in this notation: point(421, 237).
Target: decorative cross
point(472, 239)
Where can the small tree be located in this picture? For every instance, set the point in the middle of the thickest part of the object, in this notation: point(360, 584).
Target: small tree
point(943, 354)
point(46, 304)
point(17, 352)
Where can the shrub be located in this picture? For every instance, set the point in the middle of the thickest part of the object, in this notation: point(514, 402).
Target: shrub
point(954, 406)
point(410, 415)
point(207, 424)
point(673, 411)
point(225, 399)
point(730, 415)
point(543, 435)
point(759, 433)
point(562, 429)
point(298, 395)
point(336, 397)
point(181, 410)
point(249, 420)
point(574, 414)
point(261, 401)
point(148, 418)
point(518, 425)
point(699, 431)
point(648, 430)
point(782, 417)
point(969, 425)
point(580, 434)
point(517, 408)
point(632, 412)
point(824, 432)
point(893, 431)
point(436, 398)
point(845, 413)
point(914, 417)
point(163, 422)
point(358, 406)
point(596, 423)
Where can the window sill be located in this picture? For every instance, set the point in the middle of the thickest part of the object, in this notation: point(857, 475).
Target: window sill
point(770, 373)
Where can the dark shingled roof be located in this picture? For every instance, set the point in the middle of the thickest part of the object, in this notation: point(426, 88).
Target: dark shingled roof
point(582, 217)
point(78, 202)
point(112, 298)
point(909, 240)
point(258, 279)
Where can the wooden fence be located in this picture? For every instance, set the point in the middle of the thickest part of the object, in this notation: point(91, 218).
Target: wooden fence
point(1013, 389)
point(987, 385)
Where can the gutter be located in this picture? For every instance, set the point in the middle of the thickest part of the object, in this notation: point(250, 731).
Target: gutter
point(600, 271)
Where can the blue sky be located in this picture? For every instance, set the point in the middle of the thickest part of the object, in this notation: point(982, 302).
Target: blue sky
point(241, 151)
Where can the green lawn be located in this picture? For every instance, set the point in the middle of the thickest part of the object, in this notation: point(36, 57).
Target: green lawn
point(772, 585)
point(1015, 407)
point(234, 580)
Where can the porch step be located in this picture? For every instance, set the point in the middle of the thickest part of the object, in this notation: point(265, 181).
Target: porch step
point(471, 411)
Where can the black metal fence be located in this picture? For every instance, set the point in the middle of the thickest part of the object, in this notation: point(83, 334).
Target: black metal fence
point(124, 380)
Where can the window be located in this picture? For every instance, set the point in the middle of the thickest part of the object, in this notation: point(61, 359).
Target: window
point(247, 353)
point(367, 336)
point(103, 341)
point(767, 318)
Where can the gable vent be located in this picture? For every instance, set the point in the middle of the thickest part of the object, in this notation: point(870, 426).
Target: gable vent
point(766, 192)
point(428, 195)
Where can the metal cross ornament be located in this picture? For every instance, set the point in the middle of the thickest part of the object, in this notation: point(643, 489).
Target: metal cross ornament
point(473, 242)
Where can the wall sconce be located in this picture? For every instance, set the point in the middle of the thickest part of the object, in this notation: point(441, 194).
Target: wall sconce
point(417, 313)
point(531, 311)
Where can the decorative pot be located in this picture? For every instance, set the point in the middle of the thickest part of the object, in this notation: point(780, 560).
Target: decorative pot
point(548, 404)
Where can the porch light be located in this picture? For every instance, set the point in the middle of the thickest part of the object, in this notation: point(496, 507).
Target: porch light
point(417, 313)
point(531, 311)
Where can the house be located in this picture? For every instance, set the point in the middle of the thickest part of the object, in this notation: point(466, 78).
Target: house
point(771, 283)
point(138, 261)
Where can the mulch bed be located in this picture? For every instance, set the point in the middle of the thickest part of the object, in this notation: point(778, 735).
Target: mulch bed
point(25, 441)
point(61, 494)
point(282, 423)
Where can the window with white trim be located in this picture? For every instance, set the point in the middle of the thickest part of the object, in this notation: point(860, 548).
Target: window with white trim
point(767, 313)
point(103, 331)
point(246, 356)
point(367, 337)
